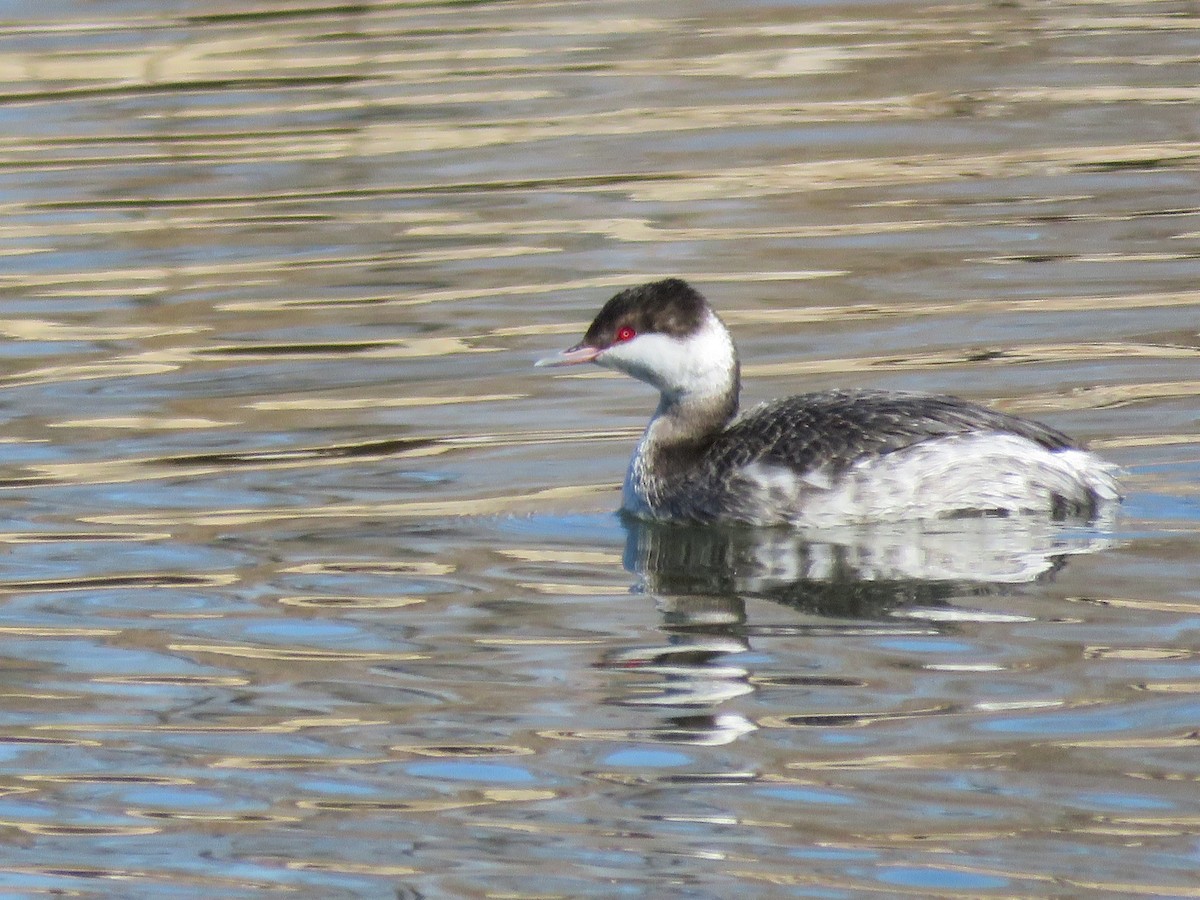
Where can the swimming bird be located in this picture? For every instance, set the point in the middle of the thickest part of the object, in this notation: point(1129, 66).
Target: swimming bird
point(819, 459)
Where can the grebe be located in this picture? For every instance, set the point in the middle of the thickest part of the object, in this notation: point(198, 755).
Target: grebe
point(828, 458)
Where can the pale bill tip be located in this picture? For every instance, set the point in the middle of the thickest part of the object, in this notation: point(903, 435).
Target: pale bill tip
point(572, 357)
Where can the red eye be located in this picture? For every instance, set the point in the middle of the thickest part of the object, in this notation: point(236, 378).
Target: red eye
point(625, 333)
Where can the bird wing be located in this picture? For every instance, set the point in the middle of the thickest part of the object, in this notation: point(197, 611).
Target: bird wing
point(829, 431)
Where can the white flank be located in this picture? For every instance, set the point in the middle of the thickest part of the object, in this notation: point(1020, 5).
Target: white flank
point(935, 479)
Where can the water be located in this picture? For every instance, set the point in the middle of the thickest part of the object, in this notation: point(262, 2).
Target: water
point(313, 585)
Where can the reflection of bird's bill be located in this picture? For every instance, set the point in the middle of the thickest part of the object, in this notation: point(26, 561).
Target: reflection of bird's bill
point(691, 688)
point(659, 659)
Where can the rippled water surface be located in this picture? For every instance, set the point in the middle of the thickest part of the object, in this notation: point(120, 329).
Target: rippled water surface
point(311, 584)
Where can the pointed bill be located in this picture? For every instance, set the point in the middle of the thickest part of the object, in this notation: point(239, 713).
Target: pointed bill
point(573, 356)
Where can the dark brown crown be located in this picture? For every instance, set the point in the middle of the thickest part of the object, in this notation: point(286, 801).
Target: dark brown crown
point(671, 306)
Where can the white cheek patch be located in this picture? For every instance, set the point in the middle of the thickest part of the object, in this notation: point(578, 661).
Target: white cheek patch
point(653, 358)
point(701, 365)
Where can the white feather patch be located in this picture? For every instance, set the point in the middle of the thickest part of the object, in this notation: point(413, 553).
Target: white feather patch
point(934, 479)
point(699, 367)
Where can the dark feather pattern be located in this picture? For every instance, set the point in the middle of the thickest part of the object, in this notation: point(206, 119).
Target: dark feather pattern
point(821, 432)
point(671, 306)
point(831, 430)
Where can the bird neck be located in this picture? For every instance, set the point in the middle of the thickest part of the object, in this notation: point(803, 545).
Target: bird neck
point(693, 417)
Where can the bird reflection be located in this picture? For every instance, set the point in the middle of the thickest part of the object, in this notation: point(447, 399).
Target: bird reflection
point(850, 581)
point(853, 572)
